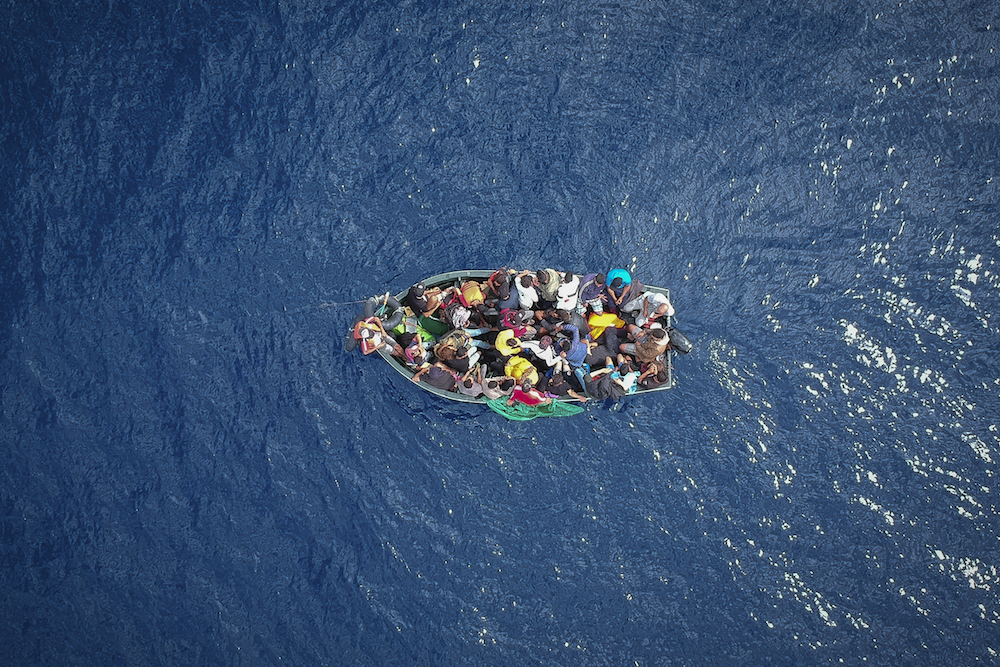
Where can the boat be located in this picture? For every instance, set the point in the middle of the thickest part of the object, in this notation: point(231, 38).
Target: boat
point(454, 278)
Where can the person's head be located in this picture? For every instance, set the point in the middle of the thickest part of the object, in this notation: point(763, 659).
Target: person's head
point(445, 353)
point(545, 342)
point(563, 316)
point(468, 383)
point(617, 283)
point(599, 279)
point(503, 291)
point(417, 290)
point(568, 277)
point(542, 276)
point(557, 378)
point(526, 384)
point(526, 281)
point(657, 334)
point(565, 346)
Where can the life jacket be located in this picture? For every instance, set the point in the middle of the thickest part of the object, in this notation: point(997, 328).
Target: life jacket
point(368, 334)
point(472, 294)
point(507, 343)
point(519, 368)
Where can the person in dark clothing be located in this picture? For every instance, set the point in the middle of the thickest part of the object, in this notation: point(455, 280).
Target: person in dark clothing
point(437, 375)
point(423, 301)
point(558, 386)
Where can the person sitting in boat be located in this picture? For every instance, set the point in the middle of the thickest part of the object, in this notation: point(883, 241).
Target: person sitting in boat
point(411, 349)
point(548, 286)
point(520, 369)
point(526, 284)
point(593, 294)
point(527, 394)
point(600, 386)
point(647, 344)
point(648, 307)
point(567, 292)
point(471, 384)
point(471, 294)
point(653, 375)
point(507, 343)
point(555, 384)
point(633, 291)
point(495, 387)
point(459, 359)
point(547, 322)
point(423, 301)
point(460, 317)
point(543, 349)
point(616, 292)
point(507, 298)
point(497, 278)
point(514, 320)
point(437, 375)
point(459, 349)
point(371, 335)
point(574, 350)
point(623, 374)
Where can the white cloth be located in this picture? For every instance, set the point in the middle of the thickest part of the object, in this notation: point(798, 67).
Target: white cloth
point(548, 355)
point(649, 302)
point(567, 293)
point(527, 297)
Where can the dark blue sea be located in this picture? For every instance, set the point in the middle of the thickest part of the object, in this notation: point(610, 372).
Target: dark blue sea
point(195, 196)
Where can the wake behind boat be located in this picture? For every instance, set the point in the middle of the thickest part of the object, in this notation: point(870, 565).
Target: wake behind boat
point(526, 342)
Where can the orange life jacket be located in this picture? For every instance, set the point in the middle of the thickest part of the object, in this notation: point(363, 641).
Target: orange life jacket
point(368, 334)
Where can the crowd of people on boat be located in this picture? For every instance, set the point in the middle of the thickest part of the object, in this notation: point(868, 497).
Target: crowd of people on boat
point(529, 336)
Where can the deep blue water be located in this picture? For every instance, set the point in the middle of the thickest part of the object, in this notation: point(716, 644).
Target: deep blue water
point(195, 473)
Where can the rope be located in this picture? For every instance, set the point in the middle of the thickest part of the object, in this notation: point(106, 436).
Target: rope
point(327, 304)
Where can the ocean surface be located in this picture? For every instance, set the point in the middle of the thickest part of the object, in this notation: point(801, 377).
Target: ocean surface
point(195, 196)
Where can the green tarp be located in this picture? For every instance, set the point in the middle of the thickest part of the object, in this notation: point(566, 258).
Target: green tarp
point(522, 412)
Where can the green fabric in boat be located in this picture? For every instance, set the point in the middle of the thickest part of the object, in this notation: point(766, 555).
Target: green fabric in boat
point(433, 325)
point(522, 412)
